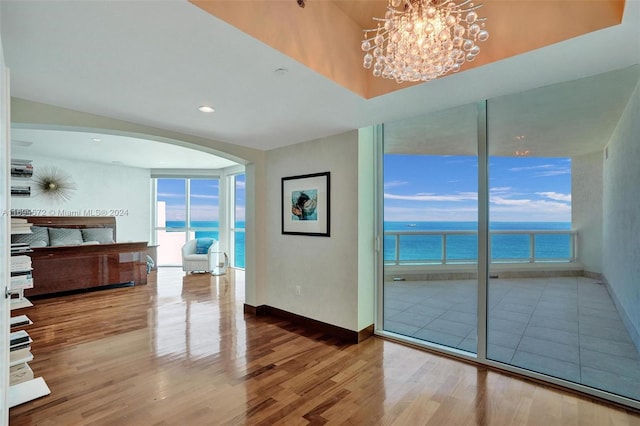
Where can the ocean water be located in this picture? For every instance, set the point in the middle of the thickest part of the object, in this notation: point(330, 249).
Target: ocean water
point(428, 248)
point(464, 248)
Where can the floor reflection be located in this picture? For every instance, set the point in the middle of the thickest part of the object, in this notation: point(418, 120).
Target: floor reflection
point(195, 314)
point(180, 350)
point(566, 327)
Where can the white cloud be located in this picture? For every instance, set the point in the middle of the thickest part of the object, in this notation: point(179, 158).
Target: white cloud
point(501, 201)
point(544, 170)
point(170, 195)
point(394, 183)
point(555, 196)
point(553, 173)
point(529, 210)
point(203, 196)
point(500, 189)
point(461, 196)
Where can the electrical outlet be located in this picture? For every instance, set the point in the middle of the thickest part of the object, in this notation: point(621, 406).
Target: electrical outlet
point(298, 290)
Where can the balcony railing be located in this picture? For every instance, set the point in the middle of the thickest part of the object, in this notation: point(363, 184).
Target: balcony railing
point(459, 247)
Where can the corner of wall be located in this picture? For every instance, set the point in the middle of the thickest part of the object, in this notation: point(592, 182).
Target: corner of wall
point(366, 227)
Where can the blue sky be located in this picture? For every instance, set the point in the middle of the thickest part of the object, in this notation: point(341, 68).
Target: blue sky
point(444, 188)
point(204, 198)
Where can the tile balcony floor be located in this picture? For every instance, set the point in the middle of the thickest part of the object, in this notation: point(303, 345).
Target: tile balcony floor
point(566, 327)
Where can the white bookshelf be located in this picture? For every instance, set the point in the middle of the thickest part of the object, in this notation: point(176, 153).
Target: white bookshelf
point(20, 360)
point(20, 321)
point(20, 303)
point(26, 387)
point(27, 391)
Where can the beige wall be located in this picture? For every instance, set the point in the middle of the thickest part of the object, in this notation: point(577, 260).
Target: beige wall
point(334, 288)
point(37, 115)
point(325, 269)
point(621, 224)
point(102, 190)
point(586, 209)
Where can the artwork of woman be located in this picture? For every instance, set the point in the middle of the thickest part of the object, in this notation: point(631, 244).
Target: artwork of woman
point(303, 204)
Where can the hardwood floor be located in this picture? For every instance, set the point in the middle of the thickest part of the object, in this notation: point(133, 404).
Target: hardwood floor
point(180, 351)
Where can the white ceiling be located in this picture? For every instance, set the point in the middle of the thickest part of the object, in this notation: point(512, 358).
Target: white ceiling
point(154, 62)
point(560, 120)
point(110, 149)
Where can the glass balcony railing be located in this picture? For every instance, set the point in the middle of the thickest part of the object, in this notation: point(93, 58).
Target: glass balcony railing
point(461, 247)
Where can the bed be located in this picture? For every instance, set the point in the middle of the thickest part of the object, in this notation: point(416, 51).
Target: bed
point(95, 260)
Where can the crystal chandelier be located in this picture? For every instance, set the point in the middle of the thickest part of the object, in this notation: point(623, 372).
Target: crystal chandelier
point(419, 40)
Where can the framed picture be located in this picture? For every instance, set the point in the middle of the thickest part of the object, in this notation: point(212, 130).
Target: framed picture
point(305, 204)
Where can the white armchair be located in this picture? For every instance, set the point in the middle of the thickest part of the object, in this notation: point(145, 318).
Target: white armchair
point(193, 262)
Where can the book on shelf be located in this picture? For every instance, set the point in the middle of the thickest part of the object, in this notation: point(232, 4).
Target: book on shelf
point(21, 346)
point(20, 229)
point(20, 226)
point(21, 190)
point(21, 281)
point(19, 340)
point(20, 263)
point(21, 168)
point(20, 321)
point(21, 172)
point(18, 248)
point(18, 301)
point(20, 373)
point(20, 355)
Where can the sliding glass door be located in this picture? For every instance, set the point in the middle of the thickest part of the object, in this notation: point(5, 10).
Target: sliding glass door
point(511, 233)
point(563, 292)
point(430, 228)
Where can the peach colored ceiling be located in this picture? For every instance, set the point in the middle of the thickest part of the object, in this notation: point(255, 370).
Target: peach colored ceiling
point(326, 35)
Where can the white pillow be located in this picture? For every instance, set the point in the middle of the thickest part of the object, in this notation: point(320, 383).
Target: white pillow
point(101, 235)
point(64, 237)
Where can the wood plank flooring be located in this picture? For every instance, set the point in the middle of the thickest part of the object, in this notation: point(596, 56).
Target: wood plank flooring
point(180, 351)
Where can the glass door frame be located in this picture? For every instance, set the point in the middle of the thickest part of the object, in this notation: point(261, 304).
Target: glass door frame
point(483, 272)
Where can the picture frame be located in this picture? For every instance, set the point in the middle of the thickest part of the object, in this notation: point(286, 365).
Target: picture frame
point(306, 202)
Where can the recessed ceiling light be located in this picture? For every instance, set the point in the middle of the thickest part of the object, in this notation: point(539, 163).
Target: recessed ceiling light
point(205, 108)
point(96, 139)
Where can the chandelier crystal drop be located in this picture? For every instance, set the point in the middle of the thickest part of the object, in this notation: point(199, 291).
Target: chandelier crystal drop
point(419, 40)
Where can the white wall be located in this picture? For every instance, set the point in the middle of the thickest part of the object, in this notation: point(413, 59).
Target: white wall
point(37, 115)
point(586, 209)
point(102, 189)
point(4, 236)
point(621, 230)
point(326, 269)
